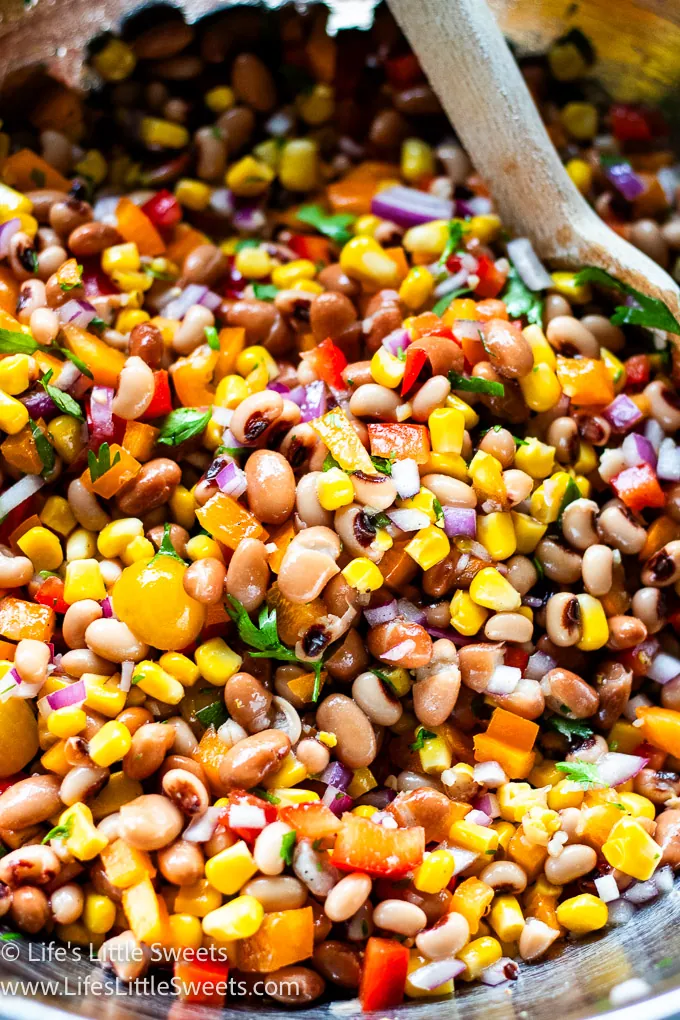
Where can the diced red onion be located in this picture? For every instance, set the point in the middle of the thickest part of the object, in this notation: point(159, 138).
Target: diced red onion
point(462, 859)
point(622, 413)
point(7, 231)
point(39, 405)
point(478, 205)
point(179, 306)
point(432, 975)
point(488, 804)
point(607, 889)
point(528, 265)
point(201, 829)
point(620, 913)
point(615, 768)
point(489, 773)
point(24, 690)
point(449, 634)
point(663, 668)
point(641, 892)
point(73, 694)
point(408, 206)
point(69, 378)
point(624, 179)
point(211, 300)
point(232, 481)
point(406, 477)
point(248, 219)
point(668, 465)
point(538, 665)
point(101, 415)
point(478, 818)
point(314, 402)
point(337, 775)
point(639, 701)
point(409, 520)
point(105, 209)
point(504, 680)
point(664, 879)
point(500, 972)
point(230, 441)
point(397, 340)
point(460, 522)
point(279, 387)
point(398, 651)
point(336, 800)
point(638, 450)
point(19, 493)
point(451, 283)
point(222, 202)
point(411, 612)
point(654, 433)
point(246, 816)
point(76, 313)
point(381, 614)
point(107, 607)
point(126, 671)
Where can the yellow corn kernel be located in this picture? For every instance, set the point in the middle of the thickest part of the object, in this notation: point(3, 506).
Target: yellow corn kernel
point(13, 414)
point(430, 546)
point(435, 873)
point(469, 414)
point(540, 388)
point(231, 390)
point(635, 803)
point(83, 580)
point(66, 722)
point(216, 661)
point(13, 202)
point(269, 152)
point(478, 955)
point(362, 258)
point(446, 426)
point(491, 590)
point(231, 868)
point(43, 548)
point(290, 773)
point(14, 372)
point(83, 841)
point(565, 794)
point(363, 780)
point(497, 534)
point(462, 308)
point(486, 472)
point(450, 464)
point(615, 368)
point(363, 575)
point(253, 263)
point(564, 283)
point(116, 536)
point(539, 824)
point(587, 459)
point(427, 238)
point(516, 799)
point(257, 380)
point(93, 165)
point(139, 548)
point(581, 174)
point(364, 811)
point(478, 838)
point(199, 899)
point(103, 694)
point(181, 667)
point(594, 626)
point(288, 797)
point(165, 133)
point(366, 225)
point(81, 545)
point(583, 914)
point(505, 832)
point(65, 433)
point(202, 547)
point(57, 515)
point(183, 507)
point(115, 62)
point(133, 283)
point(466, 616)
point(185, 932)
point(157, 682)
point(99, 913)
point(386, 369)
point(193, 194)
point(317, 105)
point(249, 177)
point(535, 458)
point(285, 276)
point(542, 351)
point(506, 918)
point(631, 849)
point(220, 99)
point(435, 755)
point(238, 919)
point(423, 500)
point(485, 228)
point(547, 499)
point(129, 318)
point(417, 159)
point(122, 258)
point(417, 287)
point(119, 790)
point(299, 166)
point(111, 743)
point(334, 489)
point(580, 120)
point(528, 532)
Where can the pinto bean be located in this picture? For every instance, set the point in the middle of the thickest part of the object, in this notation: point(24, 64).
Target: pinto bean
point(667, 835)
point(508, 350)
point(248, 702)
point(567, 694)
point(252, 81)
point(30, 801)
point(247, 763)
point(338, 962)
point(271, 486)
point(349, 657)
point(92, 238)
point(30, 909)
point(659, 787)
point(248, 573)
point(625, 632)
point(146, 342)
point(150, 488)
point(295, 985)
point(437, 685)
point(150, 822)
point(340, 715)
point(150, 744)
point(204, 580)
point(477, 663)
point(400, 643)
point(308, 564)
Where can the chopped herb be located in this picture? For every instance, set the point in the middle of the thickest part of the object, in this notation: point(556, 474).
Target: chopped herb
point(570, 727)
point(520, 442)
point(96, 323)
point(364, 928)
point(490, 852)
point(265, 291)
point(445, 301)
point(648, 312)
point(183, 424)
point(572, 492)
point(266, 795)
point(383, 464)
point(3, 850)
point(401, 354)
point(666, 961)
point(246, 242)
point(38, 177)
point(31, 256)
point(317, 844)
point(11, 936)
point(475, 385)
point(213, 715)
point(317, 682)
point(329, 462)
point(438, 511)
point(17, 343)
point(166, 548)
point(383, 677)
point(212, 338)
point(158, 274)
point(100, 463)
point(422, 736)
point(78, 362)
point(519, 300)
point(334, 227)
point(581, 772)
point(287, 846)
point(75, 283)
point(59, 831)
point(539, 567)
point(47, 573)
point(379, 520)
point(43, 446)
point(62, 400)
point(453, 244)
point(137, 678)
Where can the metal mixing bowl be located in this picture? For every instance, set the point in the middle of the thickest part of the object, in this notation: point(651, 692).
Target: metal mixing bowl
point(638, 47)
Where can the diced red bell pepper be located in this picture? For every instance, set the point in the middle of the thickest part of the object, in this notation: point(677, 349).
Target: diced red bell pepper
point(248, 833)
point(454, 264)
point(674, 620)
point(637, 370)
point(415, 361)
point(161, 402)
point(8, 781)
point(403, 70)
point(51, 593)
point(515, 657)
point(310, 821)
point(163, 210)
point(328, 362)
point(235, 282)
point(630, 124)
point(401, 441)
point(361, 845)
point(656, 756)
point(639, 658)
point(491, 279)
point(95, 281)
point(638, 487)
point(308, 246)
point(201, 980)
point(383, 976)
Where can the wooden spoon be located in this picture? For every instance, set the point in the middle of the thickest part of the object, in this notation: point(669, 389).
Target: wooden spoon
point(471, 69)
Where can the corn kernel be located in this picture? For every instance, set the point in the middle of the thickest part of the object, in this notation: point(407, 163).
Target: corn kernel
point(539, 824)
point(84, 841)
point(430, 546)
point(231, 391)
point(43, 548)
point(57, 515)
point(540, 388)
point(506, 918)
point(193, 194)
point(548, 498)
point(231, 868)
point(580, 120)
point(417, 159)
point(485, 228)
point(528, 532)
point(185, 932)
point(199, 899)
point(65, 433)
point(491, 590)
point(386, 369)
point(478, 955)
point(427, 238)
point(581, 174)
point(202, 547)
point(631, 849)
point(13, 414)
point(317, 105)
point(181, 667)
point(363, 575)
point(450, 464)
point(139, 548)
point(115, 62)
point(249, 177)
point(103, 694)
point(334, 489)
point(583, 914)
point(83, 580)
point(564, 283)
point(253, 263)
point(129, 318)
point(417, 287)
point(238, 919)
point(496, 533)
point(93, 165)
point(14, 374)
point(535, 458)
point(123, 258)
point(466, 616)
point(157, 682)
point(111, 743)
point(99, 913)
point(299, 166)
point(565, 794)
point(132, 283)
point(636, 804)
point(594, 626)
point(446, 426)
point(364, 810)
point(516, 799)
point(216, 661)
point(220, 99)
point(165, 133)
point(478, 838)
point(285, 276)
point(66, 722)
point(469, 414)
point(13, 202)
point(435, 755)
point(116, 536)
point(362, 258)
point(435, 873)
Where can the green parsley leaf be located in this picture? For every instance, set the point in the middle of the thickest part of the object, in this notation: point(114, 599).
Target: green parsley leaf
point(38, 177)
point(539, 568)
point(316, 666)
point(166, 547)
point(17, 343)
point(47, 573)
point(475, 385)
point(96, 323)
point(317, 844)
point(158, 274)
point(445, 301)
point(182, 424)
point(288, 846)
point(519, 300)
point(572, 493)
point(62, 400)
point(329, 462)
point(32, 256)
point(43, 446)
point(422, 735)
point(401, 354)
point(570, 727)
point(137, 678)
point(11, 936)
point(246, 242)
point(438, 511)
point(383, 464)
point(212, 338)
point(100, 463)
point(213, 714)
point(263, 794)
point(265, 291)
point(649, 312)
point(383, 677)
point(72, 286)
point(379, 520)
point(59, 831)
point(78, 362)
point(453, 244)
point(581, 772)
point(334, 227)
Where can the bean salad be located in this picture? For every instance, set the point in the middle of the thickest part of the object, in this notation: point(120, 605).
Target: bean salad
point(339, 536)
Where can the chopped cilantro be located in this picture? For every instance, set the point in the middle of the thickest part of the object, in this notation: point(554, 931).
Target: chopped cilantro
point(329, 462)
point(334, 227)
point(539, 567)
point(445, 301)
point(422, 736)
point(17, 343)
point(572, 492)
point(59, 831)
point(246, 242)
point(646, 311)
point(317, 844)
point(62, 400)
point(570, 727)
point(379, 520)
point(38, 177)
point(71, 285)
point(213, 714)
point(78, 362)
point(287, 846)
point(401, 354)
point(166, 548)
point(476, 385)
point(100, 463)
point(581, 772)
point(438, 511)
point(265, 291)
point(212, 338)
point(266, 795)
point(182, 424)
point(383, 464)
point(519, 300)
point(453, 244)
point(43, 446)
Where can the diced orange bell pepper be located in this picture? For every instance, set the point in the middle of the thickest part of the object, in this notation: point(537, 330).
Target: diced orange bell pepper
point(351, 196)
point(284, 937)
point(660, 727)
point(210, 753)
point(192, 377)
point(398, 256)
point(113, 480)
point(281, 536)
point(292, 618)
point(303, 686)
point(125, 865)
point(638, 487)
point(202, 981)
point(585, 381)
point(146, 912)
point(23, 169)
point(69, 275)
point(338, 435)
point(310, 821)
point(21, 452)
point(491, 308)
point(659, 532)
point(383, 975)
point(104, 362)
point(530, 856)
point(29, 522)
point(596, 824)
point(9, 290)
point(8, 321)
point(361, 845)
point(471, 899)
point(7, 652)
point(509, 739)
point(134, 225)
point(228, 522)
point(19, 620)
point(232, 340)
point(139, 440)
point(184, 240)
point(538, 903)
point(400, 441)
